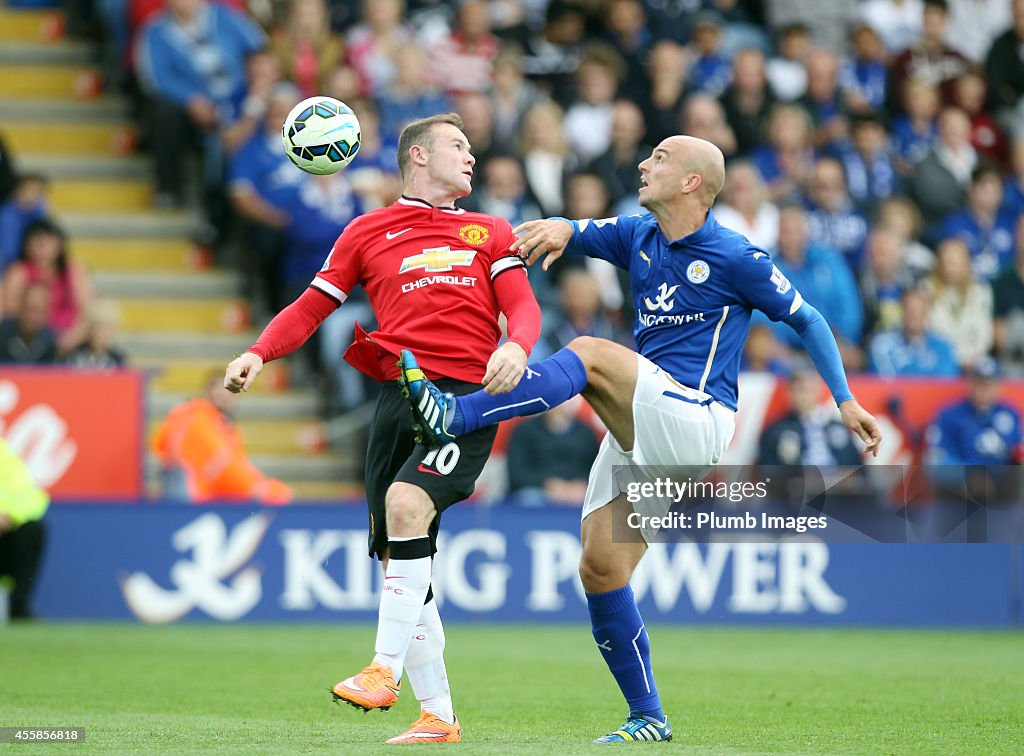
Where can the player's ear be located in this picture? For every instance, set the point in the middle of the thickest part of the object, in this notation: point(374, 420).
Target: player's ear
point(692, 183)
point(418, 154)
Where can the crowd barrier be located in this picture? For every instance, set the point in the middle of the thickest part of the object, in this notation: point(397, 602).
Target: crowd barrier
point(161, 563)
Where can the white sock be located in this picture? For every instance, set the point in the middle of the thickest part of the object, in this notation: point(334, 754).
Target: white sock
point(401, 602)
point(424, 665)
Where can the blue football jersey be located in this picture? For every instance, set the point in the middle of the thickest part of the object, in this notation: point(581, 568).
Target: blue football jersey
point(965, 435)
point(692, 296)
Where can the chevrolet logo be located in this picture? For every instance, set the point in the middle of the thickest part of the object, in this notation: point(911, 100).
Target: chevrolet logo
point(438, 259)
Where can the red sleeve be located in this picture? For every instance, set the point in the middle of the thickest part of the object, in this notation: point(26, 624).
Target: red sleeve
point(293, 325)
point(516, 300)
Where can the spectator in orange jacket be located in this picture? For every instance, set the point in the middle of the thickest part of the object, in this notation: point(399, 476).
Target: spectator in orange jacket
point(199, 442)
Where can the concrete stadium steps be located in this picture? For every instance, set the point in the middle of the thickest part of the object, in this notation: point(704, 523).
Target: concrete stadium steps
point(30, 25)
point(300, 436)
point(154, 224)
point(44, 110)
point(283, 406)
point(87, 196)
point(33, 81)
point(320, 467)
point(141, 257)
point(180, 314)
point(185, 376)
point(198, 285)
point(87, 166)
point(180, 345)
point(68, 138)
point(63, 52)
point(321, 472)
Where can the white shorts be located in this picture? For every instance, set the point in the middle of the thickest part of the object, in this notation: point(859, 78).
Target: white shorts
point(674, 426)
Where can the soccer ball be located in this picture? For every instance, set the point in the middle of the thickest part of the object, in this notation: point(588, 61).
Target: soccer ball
point(321, 135)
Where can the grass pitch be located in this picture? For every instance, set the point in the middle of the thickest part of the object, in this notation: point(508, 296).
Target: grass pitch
point(264, 689)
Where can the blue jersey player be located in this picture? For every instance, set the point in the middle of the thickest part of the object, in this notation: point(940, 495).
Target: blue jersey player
point(694, 286)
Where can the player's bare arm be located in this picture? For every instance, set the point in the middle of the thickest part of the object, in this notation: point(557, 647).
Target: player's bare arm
point(505, 368)
point(242, 371)
point(549, 236)
point(863, 423)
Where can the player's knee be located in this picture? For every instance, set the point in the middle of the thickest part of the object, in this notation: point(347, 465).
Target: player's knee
point(599, 356)
point(600, 574)
point(409, 511)
point(587, 348)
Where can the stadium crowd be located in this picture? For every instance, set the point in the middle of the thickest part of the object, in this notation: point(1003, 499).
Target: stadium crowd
point(874, 147)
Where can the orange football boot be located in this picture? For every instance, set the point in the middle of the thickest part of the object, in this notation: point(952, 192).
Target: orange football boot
point(373, 688)
point(430, 728)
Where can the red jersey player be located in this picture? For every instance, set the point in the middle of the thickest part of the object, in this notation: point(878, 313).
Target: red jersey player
point(437, 278)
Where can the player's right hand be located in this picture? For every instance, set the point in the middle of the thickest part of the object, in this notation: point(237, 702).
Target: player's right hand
point(537, 238)
point(863, 423)
point(242, 371)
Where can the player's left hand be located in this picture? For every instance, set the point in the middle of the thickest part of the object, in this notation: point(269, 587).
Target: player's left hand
point(863, 423)
point(505, 368)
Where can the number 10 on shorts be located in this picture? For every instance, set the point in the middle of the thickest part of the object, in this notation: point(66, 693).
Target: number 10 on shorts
point(444, 459)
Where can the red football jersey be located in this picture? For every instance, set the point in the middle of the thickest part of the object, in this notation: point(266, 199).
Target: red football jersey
point(428, 273)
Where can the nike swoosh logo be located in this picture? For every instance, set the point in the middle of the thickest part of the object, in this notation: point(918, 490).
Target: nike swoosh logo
point(422, 468)
point(397, 233)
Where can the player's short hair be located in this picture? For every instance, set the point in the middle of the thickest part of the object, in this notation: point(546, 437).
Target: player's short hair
point(421, 132)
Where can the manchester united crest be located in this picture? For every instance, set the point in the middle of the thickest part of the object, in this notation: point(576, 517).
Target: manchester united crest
point(474, 234)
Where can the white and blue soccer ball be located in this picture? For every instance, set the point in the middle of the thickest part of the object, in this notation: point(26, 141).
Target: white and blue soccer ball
point(321, 135)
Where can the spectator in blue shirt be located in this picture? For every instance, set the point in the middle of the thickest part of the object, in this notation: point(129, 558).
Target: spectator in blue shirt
point(822, 278)
point(191, 62)
point(978, 430)
point(987, 231)
point(916, 131)
point(912, 350)
point(27, 204)
point(711, 72)
point(411, 95)
point(863, 76)
point(882, 282)
point(832, 218)
point(259, 174)
point(867, 163)
point(822, 98)
point(969, 447)
point(787, 159)
point(811, 434)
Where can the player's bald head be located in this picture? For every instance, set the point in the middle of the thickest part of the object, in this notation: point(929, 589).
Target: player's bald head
point(703, 158)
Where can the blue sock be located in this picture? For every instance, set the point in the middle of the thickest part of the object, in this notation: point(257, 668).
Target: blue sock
point(620, 634)
point(544, 385)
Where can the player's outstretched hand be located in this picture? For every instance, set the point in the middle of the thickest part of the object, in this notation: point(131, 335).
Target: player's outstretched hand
point(242, 371)
point(505, 368)
point(540, 237)
point(863, 423)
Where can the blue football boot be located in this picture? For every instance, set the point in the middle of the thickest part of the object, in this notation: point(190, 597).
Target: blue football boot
point(639, 728)
point(432, 409)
